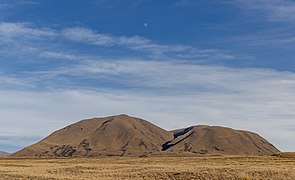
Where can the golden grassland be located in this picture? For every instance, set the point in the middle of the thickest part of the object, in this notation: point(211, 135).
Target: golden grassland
point(264, 167)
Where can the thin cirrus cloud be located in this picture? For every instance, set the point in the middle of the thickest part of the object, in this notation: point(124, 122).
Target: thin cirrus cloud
point(84, 35)
point(61, 55)
point(177, 75)
point(7, 81)
point(281, 38)
point(9, 31)
point(6, 5)
point(273, 10)
point(25, 33)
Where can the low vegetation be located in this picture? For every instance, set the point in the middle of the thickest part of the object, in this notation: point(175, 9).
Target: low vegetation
point(255, 167)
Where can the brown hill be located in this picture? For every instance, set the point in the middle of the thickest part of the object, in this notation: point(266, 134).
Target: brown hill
point(124, 135)
point(3, 154)
point(120, 135)
point(209, 140)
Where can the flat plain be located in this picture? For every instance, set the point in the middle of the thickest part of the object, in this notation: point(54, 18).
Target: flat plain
point(229, 167)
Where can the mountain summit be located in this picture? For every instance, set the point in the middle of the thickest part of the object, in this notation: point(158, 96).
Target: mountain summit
point(123, 135)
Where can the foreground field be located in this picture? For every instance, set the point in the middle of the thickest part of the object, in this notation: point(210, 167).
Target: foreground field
point(150, 168)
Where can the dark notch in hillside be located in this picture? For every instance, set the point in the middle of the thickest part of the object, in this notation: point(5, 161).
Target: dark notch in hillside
point(168, 144)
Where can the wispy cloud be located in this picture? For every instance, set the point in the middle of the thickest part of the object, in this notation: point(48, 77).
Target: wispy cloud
point(17, 2)
point(177, 75)
point(9, 7)
point(274, 10)
point(281, 37)
point(7, 81)
point(23, 30)
point(25, 33)
point(89, 36)
point(184, 2)
point(119, 4)
point(60, 55)
point(13, 3)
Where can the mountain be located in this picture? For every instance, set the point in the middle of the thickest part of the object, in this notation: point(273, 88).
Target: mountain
point(120, 135)
point(123, 135)
point(3, 154)
point(209, 140)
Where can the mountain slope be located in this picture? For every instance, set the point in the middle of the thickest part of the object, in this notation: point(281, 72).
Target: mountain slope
point(120, 135)
point(208, 140)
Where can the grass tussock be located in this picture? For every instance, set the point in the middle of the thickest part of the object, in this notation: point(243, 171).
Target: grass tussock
point(240, 168)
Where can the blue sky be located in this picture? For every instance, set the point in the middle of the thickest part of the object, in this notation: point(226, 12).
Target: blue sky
point(173, 62)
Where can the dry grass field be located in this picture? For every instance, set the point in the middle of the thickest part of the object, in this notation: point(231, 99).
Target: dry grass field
point(280, 167)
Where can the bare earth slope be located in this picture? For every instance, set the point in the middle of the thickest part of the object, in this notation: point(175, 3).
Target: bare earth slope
point(3, 154)
point(208, 140)
point(120, 135)
point(124, 135)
